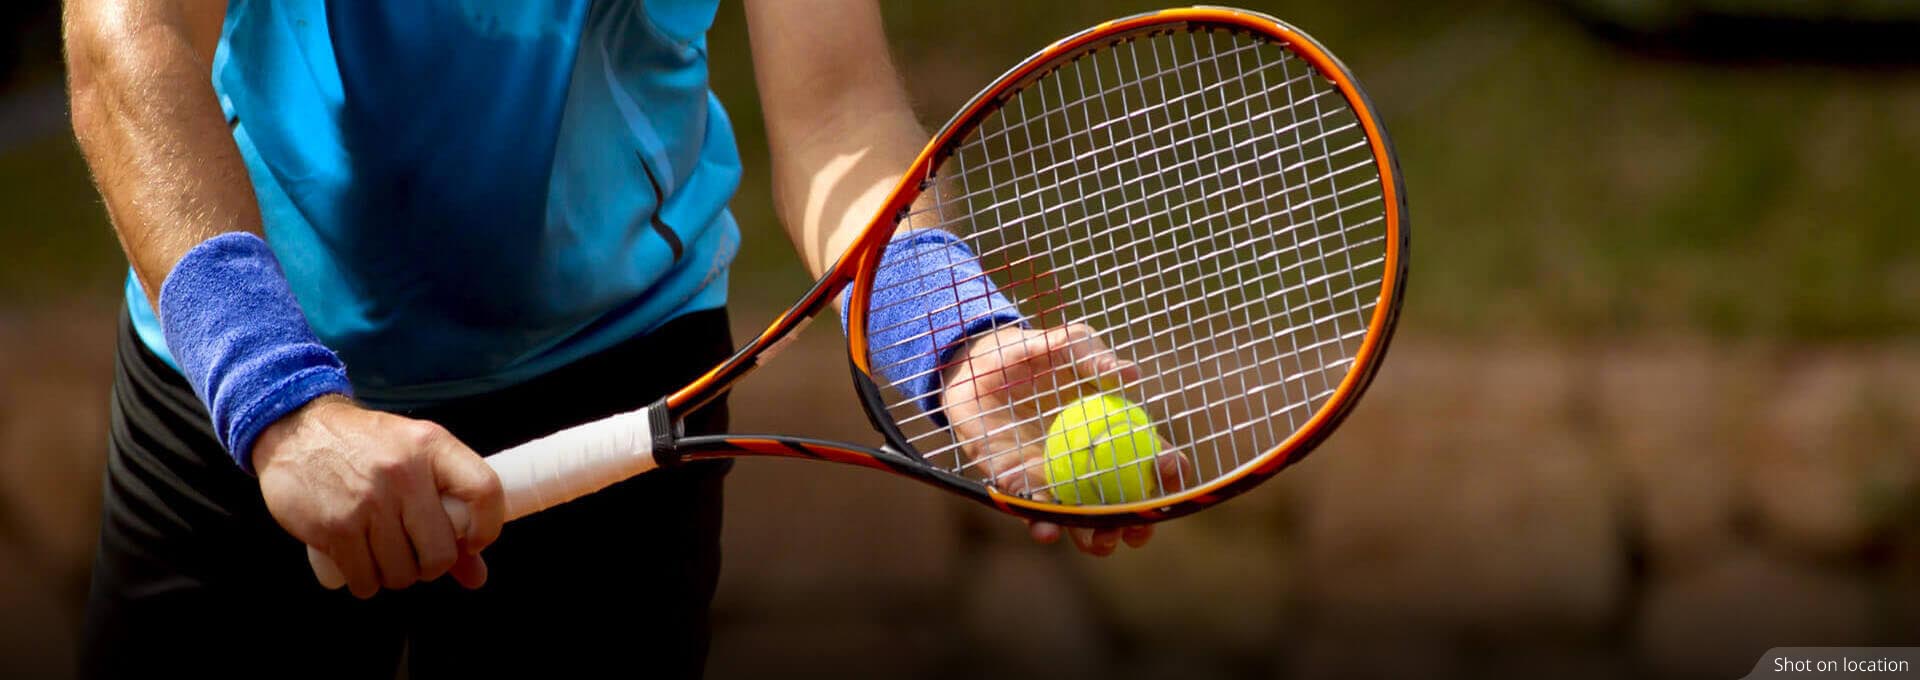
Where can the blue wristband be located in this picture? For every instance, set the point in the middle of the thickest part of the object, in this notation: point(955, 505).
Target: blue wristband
point(928, 294)
point(238, 334)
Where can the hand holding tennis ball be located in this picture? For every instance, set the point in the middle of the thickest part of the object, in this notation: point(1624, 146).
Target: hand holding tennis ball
point(993, 399)
point(1102, 449)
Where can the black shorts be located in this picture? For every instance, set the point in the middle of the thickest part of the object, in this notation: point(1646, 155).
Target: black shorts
point(194, 578)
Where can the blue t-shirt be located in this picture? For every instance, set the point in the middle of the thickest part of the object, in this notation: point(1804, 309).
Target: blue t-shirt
point(466, 194)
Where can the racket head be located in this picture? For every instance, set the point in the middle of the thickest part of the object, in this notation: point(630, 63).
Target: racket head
point(1210, 191)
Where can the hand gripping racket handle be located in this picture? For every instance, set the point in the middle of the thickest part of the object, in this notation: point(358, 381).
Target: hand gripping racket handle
point(548, 471)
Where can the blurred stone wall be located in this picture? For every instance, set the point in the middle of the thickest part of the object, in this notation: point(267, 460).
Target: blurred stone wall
point(54, 373)
point(1664, 508)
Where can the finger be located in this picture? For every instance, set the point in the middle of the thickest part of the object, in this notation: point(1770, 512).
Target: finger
point(1082, 538)
point(427, 525)
point(1044, 533)
point(356, 561)
point(1137, 536)
point(392, 552)
point(1176, 471)
point(1103, 541)
point(1002, 468)
point(463, 474)
point(470, 570)
point(1079, 348)
point(1027, 474)
point(1011, 458)
point(1090, 358)
point(1041, 352)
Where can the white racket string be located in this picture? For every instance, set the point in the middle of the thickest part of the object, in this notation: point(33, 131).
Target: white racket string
point(1205, 206)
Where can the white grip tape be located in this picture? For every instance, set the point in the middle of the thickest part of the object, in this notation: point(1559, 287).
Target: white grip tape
point(546, 472)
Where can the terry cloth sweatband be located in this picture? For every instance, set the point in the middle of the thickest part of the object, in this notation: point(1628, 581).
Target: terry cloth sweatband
point(928, 294)
point(235, 329)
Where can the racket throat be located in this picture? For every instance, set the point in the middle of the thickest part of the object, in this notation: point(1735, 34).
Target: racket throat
point(875, 406)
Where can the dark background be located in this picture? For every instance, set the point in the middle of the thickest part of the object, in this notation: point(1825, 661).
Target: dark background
point(1655, 406)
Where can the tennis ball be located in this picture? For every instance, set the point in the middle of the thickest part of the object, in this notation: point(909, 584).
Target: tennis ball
point(1101, 449)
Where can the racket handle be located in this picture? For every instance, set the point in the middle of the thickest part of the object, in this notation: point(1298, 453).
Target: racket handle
point(546, 472)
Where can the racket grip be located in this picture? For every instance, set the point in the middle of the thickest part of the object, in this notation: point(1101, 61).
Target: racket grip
point(546, 472)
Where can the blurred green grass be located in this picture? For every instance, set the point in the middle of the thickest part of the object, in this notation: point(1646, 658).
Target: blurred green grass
point(55, 243)
point(1559, 187)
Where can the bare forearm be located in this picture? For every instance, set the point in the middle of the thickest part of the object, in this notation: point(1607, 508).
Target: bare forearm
point(838, 121)
point(151, 129)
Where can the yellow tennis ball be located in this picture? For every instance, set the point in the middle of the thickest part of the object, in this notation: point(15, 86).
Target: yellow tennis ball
point(1100, 450)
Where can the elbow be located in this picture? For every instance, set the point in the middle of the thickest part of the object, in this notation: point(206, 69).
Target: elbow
point(87, 45)
point(86, 110)
point(110, 53)
point(83, 73)
point(87, 106)
point(88, 31)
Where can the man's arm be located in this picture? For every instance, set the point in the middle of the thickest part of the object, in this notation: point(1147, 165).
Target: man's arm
point(841, 131)
point(361, 485)
point(150, 126)
point(839, 125)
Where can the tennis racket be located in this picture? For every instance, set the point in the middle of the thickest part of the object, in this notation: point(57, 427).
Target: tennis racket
point(1206, 191)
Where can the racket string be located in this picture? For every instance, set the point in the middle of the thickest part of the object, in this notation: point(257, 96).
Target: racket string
point(1214, 212)
point(1095, 234)
point(1121, 285)
point(1313, 215)
point(1171, 146)
point(1090, 133)
point(1180, 368)
point(1062, 107)
point(1278, 173)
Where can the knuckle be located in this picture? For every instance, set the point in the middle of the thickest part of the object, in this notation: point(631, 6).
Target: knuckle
point(389, 463)
point(423, 433)
point(339, 528)
point(365, 506)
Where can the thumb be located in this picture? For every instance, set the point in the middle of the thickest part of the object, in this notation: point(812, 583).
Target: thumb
point(460, 473)
point(470, 571)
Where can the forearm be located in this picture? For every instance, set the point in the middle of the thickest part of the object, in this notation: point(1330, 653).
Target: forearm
point(839, 125)
point(151, 129)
